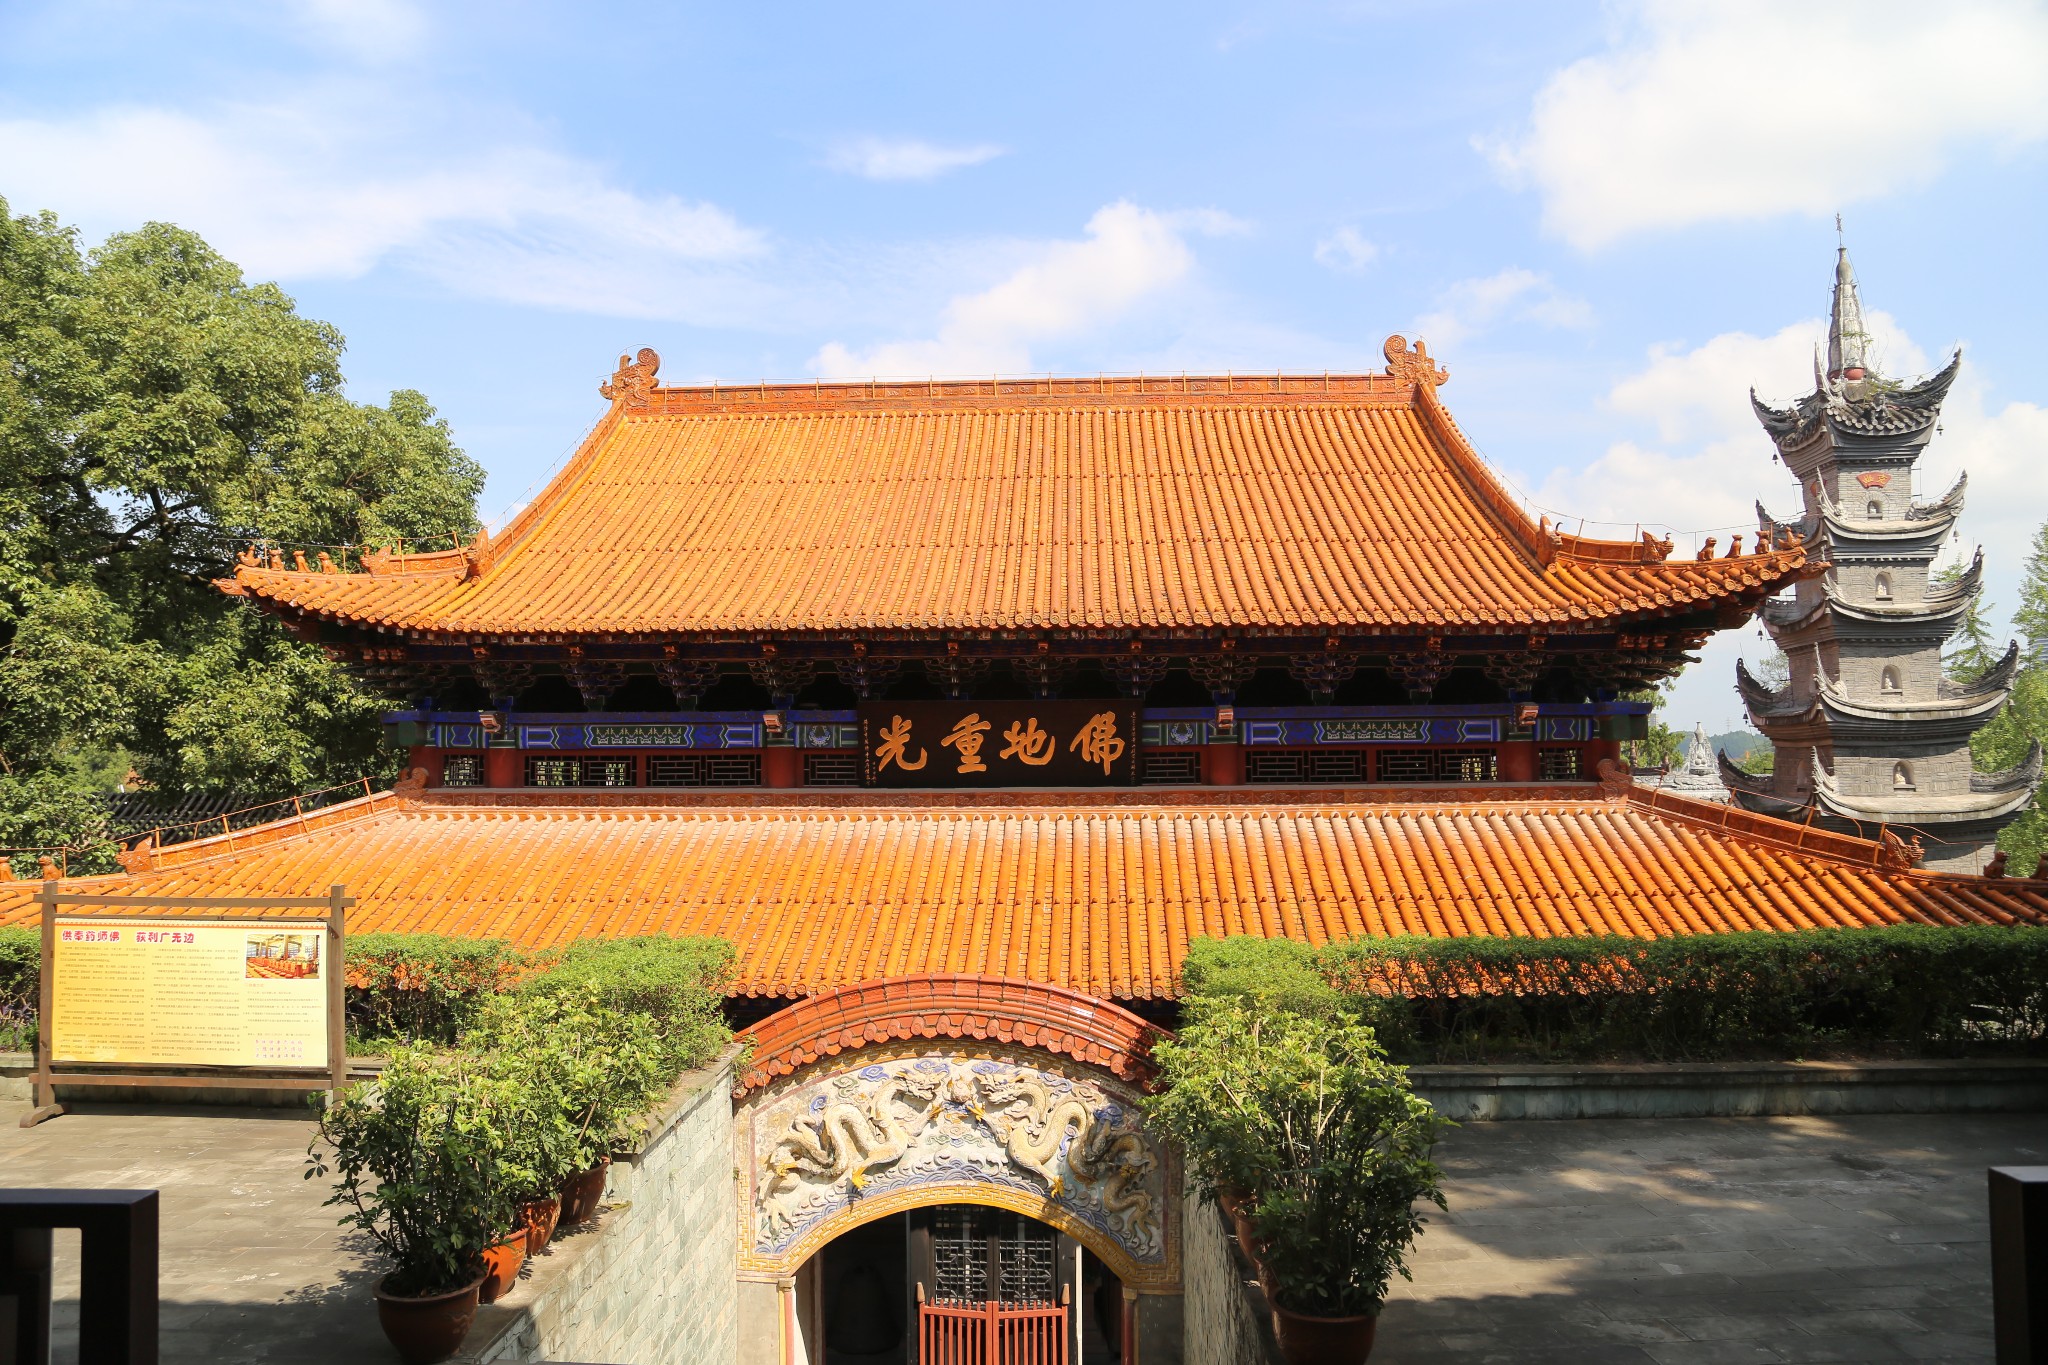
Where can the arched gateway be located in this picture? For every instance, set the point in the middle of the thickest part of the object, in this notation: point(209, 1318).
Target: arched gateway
point(939, 1098)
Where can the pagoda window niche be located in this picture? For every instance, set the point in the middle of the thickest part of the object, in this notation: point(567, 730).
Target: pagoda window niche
point(1884, 587)
point(1902, 777)
point(1888, 680)
point(1874, 510)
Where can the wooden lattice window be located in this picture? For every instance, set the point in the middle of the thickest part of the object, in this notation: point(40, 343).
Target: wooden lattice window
point(462, 770)
point(1438, 765)
point(831, 770)
point(704, 770)
point(1170, 766)
point(1559, 765)
point(579, 772)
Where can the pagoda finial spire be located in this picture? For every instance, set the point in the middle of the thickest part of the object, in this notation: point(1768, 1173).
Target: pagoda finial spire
point(1846, 337)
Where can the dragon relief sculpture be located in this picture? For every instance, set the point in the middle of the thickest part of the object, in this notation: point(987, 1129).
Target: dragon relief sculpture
point(1033, 1128)
point(932, 1118)
point(848, 1137)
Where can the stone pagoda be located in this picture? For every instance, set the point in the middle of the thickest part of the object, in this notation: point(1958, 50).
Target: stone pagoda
point(1868, 732)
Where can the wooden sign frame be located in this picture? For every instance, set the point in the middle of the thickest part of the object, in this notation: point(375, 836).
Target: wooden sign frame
point(334, 907)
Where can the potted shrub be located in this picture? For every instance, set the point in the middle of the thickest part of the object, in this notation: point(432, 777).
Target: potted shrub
point(586, 1074)
point(418, 1161)
point(1307, 1114)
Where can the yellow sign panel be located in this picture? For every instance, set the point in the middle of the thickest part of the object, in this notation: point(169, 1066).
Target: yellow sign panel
point(166, 992)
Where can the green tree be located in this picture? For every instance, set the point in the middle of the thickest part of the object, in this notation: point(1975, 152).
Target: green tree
point(1664, 746)
point(1975, 647)
point(157, 413)
point(2024, 721)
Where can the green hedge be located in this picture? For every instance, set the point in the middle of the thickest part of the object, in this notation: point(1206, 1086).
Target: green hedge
point(423, 987)
point(679, 983)
point(1908, 989)
point(21, 950)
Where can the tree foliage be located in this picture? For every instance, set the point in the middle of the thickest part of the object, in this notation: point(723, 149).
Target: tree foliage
point(2024, 721)
point(157, 413)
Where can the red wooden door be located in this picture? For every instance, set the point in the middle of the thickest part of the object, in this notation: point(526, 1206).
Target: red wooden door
point(992, 1333)
point(996, 1296)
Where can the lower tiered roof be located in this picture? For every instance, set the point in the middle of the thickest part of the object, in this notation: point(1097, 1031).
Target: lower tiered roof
point(1096, 891)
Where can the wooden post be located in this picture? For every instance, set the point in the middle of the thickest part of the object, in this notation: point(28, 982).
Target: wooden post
point(337, 999)
point(46, 1106)
point(2019, 1263)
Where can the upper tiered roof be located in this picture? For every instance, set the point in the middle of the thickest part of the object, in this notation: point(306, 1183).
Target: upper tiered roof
point(1269, 501)
point(1096, 892)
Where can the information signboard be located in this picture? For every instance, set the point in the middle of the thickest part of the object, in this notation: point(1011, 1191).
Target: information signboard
point(153, 992)
point(180, 992)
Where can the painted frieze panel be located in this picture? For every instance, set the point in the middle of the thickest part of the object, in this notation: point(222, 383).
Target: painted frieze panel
point(881, 1131)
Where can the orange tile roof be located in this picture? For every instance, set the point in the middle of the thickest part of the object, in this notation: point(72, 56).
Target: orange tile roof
point(1099, 896)
point(1318, 501)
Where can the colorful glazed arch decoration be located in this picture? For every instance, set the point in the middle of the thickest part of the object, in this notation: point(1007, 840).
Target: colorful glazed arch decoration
point(954, 1090)
point(984, 1008)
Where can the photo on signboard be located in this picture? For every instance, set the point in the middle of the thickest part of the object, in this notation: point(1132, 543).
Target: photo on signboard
point(281, 956)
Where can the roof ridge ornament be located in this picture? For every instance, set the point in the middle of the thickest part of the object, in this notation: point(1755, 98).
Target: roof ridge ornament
point(633, 382)
point(1413, 366)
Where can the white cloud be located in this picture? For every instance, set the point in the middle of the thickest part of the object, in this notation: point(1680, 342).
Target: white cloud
point(324, 187)
point(1347, 251)
point(1720, 110)
point(1067, 287)
point(1514, 295)
point(875, 158)
point(369, 30)
point(1702, 462)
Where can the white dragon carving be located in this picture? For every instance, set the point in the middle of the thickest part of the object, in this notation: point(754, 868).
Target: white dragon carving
point(847, 1139)
point(1032, 1126)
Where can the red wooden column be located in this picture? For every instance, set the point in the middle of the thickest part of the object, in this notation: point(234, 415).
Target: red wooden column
point(1518, 761)
point(1223, 764)
point(503, 768)
point(782, 767)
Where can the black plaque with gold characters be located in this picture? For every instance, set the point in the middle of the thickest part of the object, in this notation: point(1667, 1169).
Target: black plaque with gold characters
point(999, 743)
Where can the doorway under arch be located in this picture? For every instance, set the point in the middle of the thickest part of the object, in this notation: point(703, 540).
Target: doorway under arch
point(959, 1284)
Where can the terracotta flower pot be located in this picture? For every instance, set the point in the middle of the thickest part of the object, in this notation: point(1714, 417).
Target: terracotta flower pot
point(538, 1217)
point(1307, 1340)
point(501, 1264)
point(1237, 1207)
point(430, 1328)
point(582, 1193)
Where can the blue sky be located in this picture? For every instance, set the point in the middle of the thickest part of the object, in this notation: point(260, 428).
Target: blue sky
point(1608, 221)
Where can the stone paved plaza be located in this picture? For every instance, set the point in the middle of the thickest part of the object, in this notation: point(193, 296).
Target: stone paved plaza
point(1857, 1239)
point(1681, 1240)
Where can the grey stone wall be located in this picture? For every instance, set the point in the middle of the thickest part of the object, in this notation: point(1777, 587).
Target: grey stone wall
point(1733, 1089)
point(652, 1279)
point(1222, 1324)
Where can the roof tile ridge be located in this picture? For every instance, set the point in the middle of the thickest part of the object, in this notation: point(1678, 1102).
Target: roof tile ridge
point(544, 504)
point(1478, 476)
point(1806, 841)
point(288, 829)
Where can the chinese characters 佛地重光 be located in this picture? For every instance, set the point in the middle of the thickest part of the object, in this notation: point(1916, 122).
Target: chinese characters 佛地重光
point(1024, 741)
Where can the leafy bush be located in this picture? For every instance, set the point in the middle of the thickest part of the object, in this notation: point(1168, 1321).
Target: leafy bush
point(1262, 973)
point(423, 987)
point(1308, 1116)
point(21, 950)
point(423, 1165)
point(1913, 988)
point(677, 983)
point(587, 1073)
